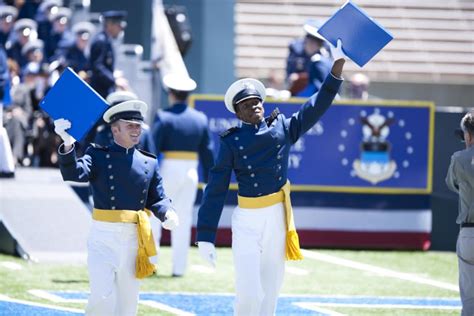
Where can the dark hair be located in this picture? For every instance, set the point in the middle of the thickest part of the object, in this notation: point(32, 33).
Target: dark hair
point(179, 95)
point(467, 123)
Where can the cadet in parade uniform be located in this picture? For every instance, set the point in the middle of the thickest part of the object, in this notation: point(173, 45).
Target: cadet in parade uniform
point(102, 56)
point(263, 231)
point(308, 62)
point(182, 135)
point(126, 186)
point(460, 179)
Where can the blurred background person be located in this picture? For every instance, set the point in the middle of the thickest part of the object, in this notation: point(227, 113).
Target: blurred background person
point(8, 16)
point(308, 62)
point(45, 12)
point(182, 135)
point(60, 36)
point(358, 87)
point(32, 52)
point(76, 54)
point(24, 30)
point(460, 179)
point(102, 55)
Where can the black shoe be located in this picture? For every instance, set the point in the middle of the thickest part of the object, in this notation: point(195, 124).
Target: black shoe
point(177, 275)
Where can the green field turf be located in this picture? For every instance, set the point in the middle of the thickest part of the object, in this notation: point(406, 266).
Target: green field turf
point(322, 278)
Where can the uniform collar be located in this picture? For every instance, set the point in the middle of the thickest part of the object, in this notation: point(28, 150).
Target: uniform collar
point(253, 127)
point(117, 148)
point(178, 107)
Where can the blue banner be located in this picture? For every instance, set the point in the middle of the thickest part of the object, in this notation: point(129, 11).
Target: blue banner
point(371, 146)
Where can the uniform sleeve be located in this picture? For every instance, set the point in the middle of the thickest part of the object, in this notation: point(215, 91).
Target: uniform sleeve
point(206, 152)
point(214, 195)
point(157, 201)
point(97, 61)
point(452, 178)
point(301, 121)
point(317, 73)
point(75, 169)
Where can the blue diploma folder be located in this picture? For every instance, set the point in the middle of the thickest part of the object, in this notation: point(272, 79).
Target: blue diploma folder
point(73, 99)
point(362, 37)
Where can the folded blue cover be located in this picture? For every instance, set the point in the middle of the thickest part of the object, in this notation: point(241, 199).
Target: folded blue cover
point(362, 37)
point(73, 99)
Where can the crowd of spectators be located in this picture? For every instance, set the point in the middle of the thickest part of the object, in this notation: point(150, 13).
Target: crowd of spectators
point(39, 41)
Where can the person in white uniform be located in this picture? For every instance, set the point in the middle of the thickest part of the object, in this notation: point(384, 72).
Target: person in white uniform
point(181, 134)
point(126, 188)
point(263, 230)
point(460, 179)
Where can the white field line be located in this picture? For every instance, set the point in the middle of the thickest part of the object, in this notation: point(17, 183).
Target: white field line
point(314, 307)
point(202, 269)
point(67, 309)
point(381, 306)
point(378, 270)
point(166, 308)
point(54, 298)
point(11, 265)
point(296, 271)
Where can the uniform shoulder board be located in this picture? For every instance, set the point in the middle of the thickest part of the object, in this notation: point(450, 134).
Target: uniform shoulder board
point(100, 147)
point(146, 153)
point(316, 57)
point(272, 117)
point(229, 131)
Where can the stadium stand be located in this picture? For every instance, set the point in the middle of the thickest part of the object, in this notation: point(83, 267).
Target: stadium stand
point(434, 40)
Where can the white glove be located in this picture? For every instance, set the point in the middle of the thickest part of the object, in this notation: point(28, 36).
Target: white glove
point(337, 52)
point(172, 220)
point(60, 127)
point(207, 251)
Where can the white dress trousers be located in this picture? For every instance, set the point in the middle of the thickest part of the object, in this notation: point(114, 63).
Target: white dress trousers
point(180, 181)
point(465, 252)
point(112, 250)
point(258, 248)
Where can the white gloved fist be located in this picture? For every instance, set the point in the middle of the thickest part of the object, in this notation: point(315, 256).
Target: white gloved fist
point(171, 220)
point(207, 251)
point(60, 127)
point(337, 52)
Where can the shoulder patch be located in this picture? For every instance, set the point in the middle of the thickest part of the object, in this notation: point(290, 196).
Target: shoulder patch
point(146, 153)
point(272, 117)
point(229, 131)
point(100, 147)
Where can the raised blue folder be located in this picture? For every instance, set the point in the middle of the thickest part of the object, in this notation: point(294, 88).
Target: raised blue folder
point(362, 37)
point(73, 99)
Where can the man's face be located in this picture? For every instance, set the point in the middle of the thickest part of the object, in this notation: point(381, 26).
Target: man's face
point(250, 111)
point(114, 28)
point(126, 134)
point(311, 45)
point(6, 23)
